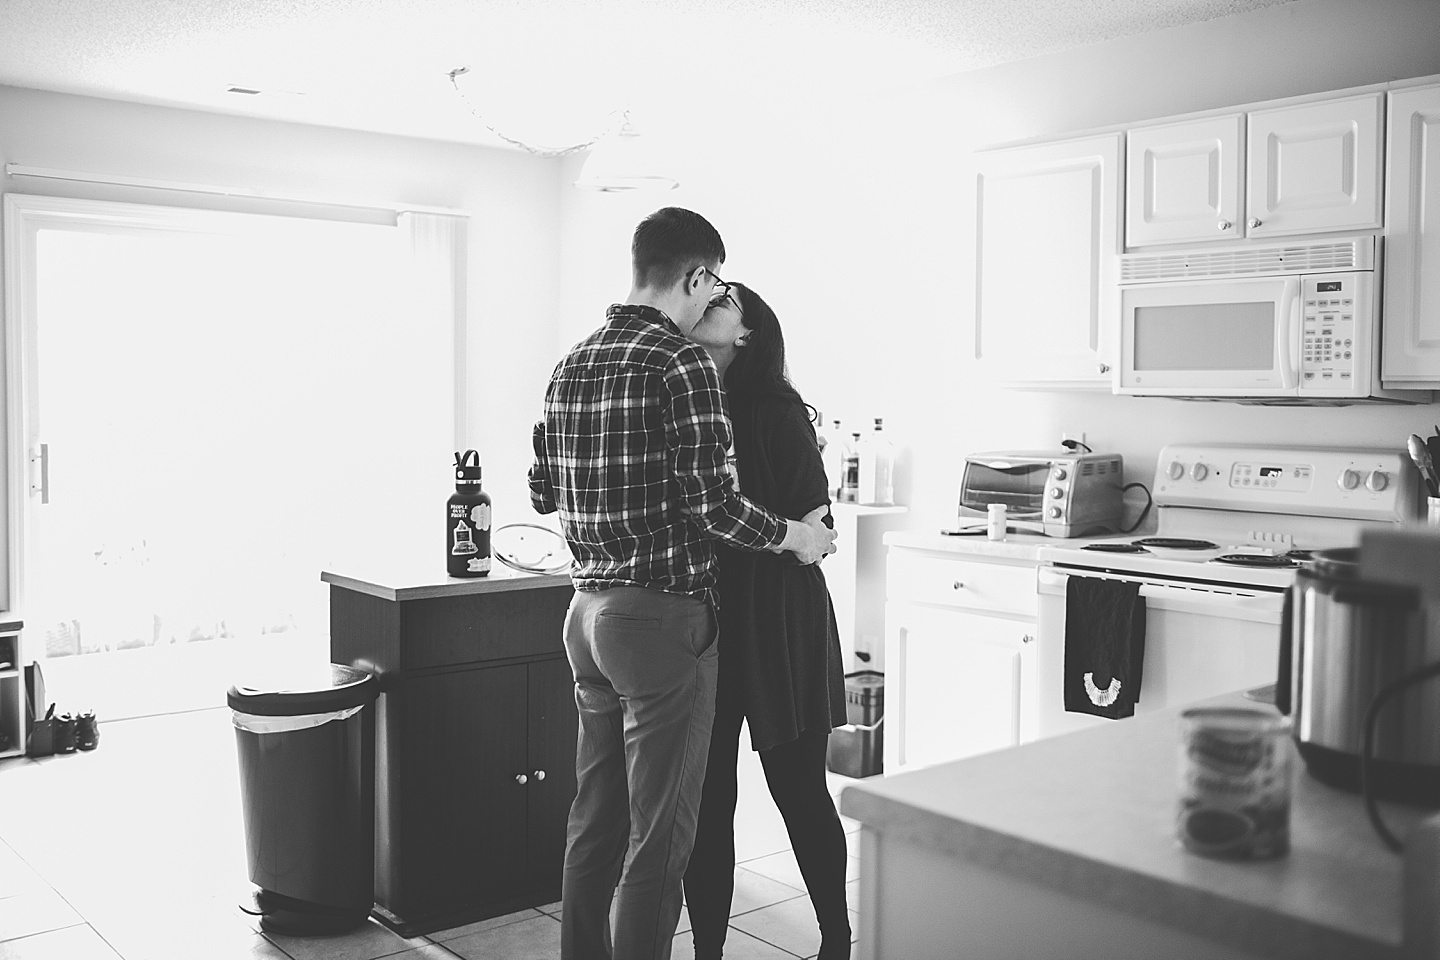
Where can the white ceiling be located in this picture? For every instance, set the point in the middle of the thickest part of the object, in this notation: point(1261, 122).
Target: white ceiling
point(547, 71)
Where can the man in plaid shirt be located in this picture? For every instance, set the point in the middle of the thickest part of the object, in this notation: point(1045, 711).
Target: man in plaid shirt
point(632, 454)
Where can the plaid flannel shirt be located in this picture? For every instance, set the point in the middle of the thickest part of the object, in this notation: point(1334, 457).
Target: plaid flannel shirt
point(632, 453)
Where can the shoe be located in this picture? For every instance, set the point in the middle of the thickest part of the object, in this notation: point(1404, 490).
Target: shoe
point(87, 731)
point(65, 733)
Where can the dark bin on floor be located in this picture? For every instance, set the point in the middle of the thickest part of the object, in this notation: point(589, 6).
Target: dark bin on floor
point(307, 785)
point(856, 749)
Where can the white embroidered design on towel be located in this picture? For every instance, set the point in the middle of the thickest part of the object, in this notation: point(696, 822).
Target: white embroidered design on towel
point(1101, 698)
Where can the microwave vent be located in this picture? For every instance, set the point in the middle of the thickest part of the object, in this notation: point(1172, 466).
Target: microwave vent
point(1353, 253)
point(1087, 468)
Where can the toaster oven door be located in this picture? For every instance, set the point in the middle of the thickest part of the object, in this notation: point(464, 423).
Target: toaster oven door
point(1020, 485)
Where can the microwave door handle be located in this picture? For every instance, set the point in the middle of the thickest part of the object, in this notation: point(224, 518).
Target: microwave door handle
point(1287, 341)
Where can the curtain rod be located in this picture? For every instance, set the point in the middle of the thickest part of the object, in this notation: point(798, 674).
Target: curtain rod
point(49, 173)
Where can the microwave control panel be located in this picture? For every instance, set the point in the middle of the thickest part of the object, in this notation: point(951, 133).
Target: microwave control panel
point(1331, 350)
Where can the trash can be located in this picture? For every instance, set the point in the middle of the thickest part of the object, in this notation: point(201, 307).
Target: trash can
point(857, 748)
point(306, 746)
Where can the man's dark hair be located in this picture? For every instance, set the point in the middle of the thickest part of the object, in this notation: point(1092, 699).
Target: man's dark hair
point(671, 241)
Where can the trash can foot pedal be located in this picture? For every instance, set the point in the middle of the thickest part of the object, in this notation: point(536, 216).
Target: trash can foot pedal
point(286, 915)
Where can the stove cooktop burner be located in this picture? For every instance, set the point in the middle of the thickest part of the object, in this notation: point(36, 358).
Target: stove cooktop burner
point(1175, 543)
point(1256, 560)
point(1115, 548)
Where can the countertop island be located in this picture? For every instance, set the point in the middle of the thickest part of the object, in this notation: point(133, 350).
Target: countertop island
point(1065, 848)
point(400, 580)
point(475, 735)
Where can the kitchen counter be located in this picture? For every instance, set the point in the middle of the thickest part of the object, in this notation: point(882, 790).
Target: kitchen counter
point(1037, 850)
point(1015, 546)
point(417, 581)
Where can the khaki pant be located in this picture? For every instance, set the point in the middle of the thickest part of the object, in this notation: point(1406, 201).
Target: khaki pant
point(645, 666)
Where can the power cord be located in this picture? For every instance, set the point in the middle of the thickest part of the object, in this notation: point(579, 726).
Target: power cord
point(1072, 444)
point(1367, 748)
point(1149, 502)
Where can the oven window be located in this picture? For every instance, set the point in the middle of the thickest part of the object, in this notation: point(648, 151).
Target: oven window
point(1205, 336)
point(1021, 488)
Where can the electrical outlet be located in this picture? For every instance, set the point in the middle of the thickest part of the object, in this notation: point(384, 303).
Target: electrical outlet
point(1077, 437)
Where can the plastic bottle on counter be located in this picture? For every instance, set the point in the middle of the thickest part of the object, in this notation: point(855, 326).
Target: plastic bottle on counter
point(877, 467)
point(850, 471)
point(467, 528)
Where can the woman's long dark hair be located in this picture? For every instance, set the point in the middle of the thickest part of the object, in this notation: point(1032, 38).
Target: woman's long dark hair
point(759, 369)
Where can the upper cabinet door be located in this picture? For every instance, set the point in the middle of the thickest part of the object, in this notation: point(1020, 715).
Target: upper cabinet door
point(1315, 167)
point(1411, 354)
point(1183, 181)
point(1047, 233)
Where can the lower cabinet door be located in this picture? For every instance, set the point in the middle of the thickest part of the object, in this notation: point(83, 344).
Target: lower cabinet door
point(460, 821)
point(954, 682)
point(553, 724)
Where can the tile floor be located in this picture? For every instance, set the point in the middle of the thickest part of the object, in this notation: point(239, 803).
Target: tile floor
point(136, 852)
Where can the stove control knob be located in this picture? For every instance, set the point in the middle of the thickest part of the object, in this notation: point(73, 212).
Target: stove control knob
point(1377, 481)
point(1199, 471)
point(1176, 470)
point(1056, 493)
point(1060, 473)
point(1054, 513)
point(1348, 480)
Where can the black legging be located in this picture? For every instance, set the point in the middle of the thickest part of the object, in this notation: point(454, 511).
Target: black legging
point(795, 772)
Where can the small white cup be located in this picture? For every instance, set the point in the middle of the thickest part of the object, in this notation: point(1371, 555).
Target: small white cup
point(995, 527)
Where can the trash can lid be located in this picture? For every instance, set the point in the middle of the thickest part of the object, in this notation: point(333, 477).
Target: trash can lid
point(293, 692)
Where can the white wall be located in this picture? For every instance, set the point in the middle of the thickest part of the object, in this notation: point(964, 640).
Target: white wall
point(856, 226)
point(511, 199)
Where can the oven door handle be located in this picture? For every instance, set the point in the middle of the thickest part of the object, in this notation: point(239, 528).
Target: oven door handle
point(1259, 607)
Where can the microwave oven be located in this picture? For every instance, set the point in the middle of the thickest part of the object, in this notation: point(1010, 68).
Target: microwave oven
point(1055, 494)
point(1291, 324)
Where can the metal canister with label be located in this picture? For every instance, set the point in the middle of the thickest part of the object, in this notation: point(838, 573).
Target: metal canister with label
point(1234, 783)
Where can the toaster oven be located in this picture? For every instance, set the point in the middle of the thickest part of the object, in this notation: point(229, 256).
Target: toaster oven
point(1067, 494)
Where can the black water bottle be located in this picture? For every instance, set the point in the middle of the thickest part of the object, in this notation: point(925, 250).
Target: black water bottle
point(467, 530)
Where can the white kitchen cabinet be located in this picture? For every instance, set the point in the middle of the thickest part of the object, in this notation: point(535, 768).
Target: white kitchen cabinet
point(1297, 169)
point(960, 657)
point(1047, 234)
point(1183, 181)
point(1315, 167)
point(1411, 350)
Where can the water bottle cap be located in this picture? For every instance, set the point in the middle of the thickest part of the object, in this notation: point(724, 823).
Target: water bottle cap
point(467, 466)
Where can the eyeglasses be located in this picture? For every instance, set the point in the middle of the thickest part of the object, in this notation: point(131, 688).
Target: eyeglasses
point(721, 291)
point(721, 288)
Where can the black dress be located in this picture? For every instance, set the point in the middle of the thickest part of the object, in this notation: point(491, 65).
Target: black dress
point(779, 645)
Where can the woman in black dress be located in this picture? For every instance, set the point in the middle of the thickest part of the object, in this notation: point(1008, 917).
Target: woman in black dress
point(780, 665)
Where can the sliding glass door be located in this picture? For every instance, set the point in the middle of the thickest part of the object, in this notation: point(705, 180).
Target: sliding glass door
point(216, 408)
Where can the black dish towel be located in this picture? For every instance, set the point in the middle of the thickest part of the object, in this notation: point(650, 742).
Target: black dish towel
point(1104, 646)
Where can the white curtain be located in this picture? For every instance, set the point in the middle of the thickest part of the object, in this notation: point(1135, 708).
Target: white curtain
point(438, 293)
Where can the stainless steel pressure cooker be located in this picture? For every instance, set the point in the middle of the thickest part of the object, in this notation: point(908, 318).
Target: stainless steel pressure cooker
point(1344, 640)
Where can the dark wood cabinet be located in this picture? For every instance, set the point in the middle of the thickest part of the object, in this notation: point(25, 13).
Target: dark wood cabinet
point(475, 744)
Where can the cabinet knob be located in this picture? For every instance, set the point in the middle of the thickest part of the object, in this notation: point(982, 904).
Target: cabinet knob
point(539, 774)
point(1028, 638)
point(521, 779)
point(958, 585)
point(1224, 225)
point(1254, 222)
point(1104, 368)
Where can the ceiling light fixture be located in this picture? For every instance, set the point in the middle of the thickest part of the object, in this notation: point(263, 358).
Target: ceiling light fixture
point(620, 160)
